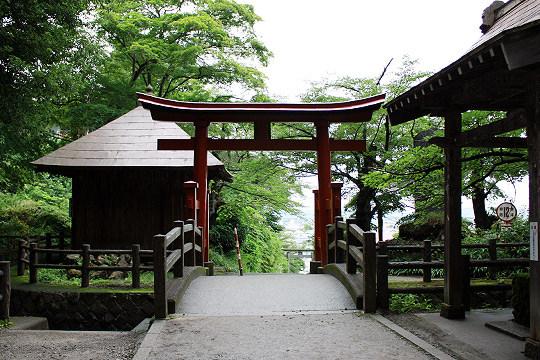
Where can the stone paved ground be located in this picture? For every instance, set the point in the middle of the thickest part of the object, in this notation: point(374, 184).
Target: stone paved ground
point(300, 336)
point(272, 317)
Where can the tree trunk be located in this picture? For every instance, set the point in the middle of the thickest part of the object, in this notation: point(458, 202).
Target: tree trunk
point(363, 207)
point(481, 218)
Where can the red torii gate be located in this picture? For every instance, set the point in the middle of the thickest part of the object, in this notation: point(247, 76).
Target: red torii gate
point(262, 115)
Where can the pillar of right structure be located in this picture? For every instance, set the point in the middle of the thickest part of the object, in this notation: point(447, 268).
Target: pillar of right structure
point(452, 308)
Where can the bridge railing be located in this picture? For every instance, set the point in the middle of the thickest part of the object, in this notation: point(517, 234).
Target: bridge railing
point(356, 248)
point(185, 241)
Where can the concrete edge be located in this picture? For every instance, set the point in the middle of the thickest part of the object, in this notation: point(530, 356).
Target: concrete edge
point(28, 323)
point(415, 340)
point(510, 328)
point(180, 285)
point(143, 326)
point(352, 282)
point(149, 340)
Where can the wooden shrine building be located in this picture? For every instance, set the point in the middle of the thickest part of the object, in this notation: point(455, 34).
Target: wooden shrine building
point(124, 190)
point(501, 72)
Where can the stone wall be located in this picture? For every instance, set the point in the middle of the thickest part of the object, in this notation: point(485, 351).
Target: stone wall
point(84, 311)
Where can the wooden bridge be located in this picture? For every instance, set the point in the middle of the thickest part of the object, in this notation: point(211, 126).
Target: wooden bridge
point(350, 249)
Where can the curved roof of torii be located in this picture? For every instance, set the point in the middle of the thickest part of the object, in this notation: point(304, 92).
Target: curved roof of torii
point(129, 141)
point(181, 111)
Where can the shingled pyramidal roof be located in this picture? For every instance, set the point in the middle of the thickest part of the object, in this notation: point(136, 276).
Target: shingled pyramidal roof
point(129, 141)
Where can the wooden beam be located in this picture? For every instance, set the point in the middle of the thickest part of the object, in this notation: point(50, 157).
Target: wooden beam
point(496, 142)
point(499, 142)
point(514, 121)
point(268, 145)
point(522, 50)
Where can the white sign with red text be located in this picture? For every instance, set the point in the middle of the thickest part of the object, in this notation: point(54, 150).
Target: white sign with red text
point(534, 241)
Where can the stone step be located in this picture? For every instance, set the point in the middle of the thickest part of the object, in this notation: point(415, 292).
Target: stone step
point(29, 323)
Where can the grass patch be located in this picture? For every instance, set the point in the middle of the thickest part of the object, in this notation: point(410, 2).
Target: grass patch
point(404, 303)
point(397, 283)
point(55, 280)
point(5, 324)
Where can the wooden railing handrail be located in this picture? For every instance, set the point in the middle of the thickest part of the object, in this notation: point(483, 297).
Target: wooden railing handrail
point(297, 250)
point(183, 238)
point(32, 261)
point(356, 232)
point(330, 228)
point(348, 243)
point(383, 291)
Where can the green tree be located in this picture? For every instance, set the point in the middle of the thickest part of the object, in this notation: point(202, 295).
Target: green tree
point(38, 38)
point(383, 142)
point(175, 46)
point(420, 170)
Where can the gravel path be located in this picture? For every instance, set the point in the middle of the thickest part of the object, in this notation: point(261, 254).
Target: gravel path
point(52, 345)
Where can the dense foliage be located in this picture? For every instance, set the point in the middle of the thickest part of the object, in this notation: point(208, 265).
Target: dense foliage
point(68, 68)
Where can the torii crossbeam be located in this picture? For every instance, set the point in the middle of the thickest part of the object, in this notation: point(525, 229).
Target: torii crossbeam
point(262, 115)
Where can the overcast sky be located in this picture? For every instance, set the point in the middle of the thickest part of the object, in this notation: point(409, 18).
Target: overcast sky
point(314, 39)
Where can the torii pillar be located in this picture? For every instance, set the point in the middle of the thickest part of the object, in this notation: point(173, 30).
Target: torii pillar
point(325, 179)
point(200, 176)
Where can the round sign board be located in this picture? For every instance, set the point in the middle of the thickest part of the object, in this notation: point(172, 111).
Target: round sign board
point(506, 211)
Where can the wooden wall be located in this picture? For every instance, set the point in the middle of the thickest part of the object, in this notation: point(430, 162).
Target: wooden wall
point(113, 209)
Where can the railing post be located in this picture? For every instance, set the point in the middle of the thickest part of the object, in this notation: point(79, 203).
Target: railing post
point(427, 258)
point(350, 241)
point(383, 248)
point(190, 259)
point(5, 289)
point(369, 273)
point(466, 281)
point(48, 245)
point(62, 240)
point(178, 268)
point(33, 263)
point(340, 253)
point(330, 255)
point(21, 257)
point(85, 278)
point(136, 266)
point(316, 260)
point(160, 277)
point(383, 297)
point(492, 250)
point(199, 240)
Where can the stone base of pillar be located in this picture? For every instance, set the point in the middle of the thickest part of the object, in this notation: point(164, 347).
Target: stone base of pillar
point(314, 267)
point(532, 349)
point(452, 311)
point(210, 268)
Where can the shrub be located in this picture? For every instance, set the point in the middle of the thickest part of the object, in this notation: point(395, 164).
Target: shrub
point(430, 227)
point(521, 299)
